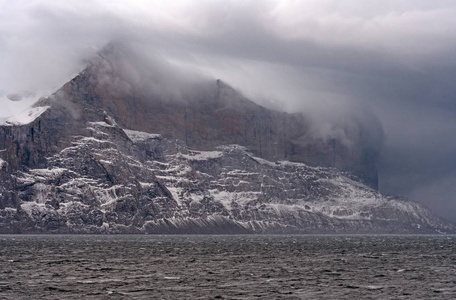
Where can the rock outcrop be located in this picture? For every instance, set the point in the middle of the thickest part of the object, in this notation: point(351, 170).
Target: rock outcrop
point(104, 156)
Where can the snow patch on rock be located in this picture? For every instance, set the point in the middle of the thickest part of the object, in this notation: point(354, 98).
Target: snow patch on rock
point(202, 155)
point(138, 136)
point(26, 116)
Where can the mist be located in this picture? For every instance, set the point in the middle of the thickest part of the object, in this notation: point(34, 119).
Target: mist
point(124, 69)
point(383, 71)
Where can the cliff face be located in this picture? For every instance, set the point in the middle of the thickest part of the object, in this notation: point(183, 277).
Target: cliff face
point(210, 114)
point(100, 158)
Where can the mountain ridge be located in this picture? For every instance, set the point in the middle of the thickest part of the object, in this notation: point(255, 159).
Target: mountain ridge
point(107, 157)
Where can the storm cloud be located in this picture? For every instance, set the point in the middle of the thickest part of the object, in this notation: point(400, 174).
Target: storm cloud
point(389, 65)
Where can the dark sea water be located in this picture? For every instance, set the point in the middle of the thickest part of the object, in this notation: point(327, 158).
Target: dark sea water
point(227, 267)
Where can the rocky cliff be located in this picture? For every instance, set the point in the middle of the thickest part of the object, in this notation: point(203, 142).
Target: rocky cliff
point(105, 155)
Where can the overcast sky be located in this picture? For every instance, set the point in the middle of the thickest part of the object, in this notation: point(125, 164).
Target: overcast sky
point(395, 60)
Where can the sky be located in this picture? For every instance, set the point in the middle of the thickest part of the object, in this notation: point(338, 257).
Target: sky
point(391, 61)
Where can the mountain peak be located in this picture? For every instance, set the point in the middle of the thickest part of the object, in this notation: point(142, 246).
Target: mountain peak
point(130, 146)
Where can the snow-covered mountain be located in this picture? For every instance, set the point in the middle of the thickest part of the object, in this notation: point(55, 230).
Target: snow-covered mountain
point(101, 155)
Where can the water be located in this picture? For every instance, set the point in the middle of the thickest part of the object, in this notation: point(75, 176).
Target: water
point(227, 267)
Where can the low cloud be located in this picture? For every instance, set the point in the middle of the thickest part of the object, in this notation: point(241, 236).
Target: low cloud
point(349, 66)
point(126, 69)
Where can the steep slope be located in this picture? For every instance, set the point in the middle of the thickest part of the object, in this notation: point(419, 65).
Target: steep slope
point(208, 114)
point(103, 156)
point(123, 181)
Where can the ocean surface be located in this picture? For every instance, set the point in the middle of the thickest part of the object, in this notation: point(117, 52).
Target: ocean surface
point(227, 267)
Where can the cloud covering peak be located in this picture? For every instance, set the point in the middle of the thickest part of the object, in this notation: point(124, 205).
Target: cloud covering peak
point(330, 59)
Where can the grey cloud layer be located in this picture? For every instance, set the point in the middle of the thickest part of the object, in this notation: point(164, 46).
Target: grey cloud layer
point(337, 59)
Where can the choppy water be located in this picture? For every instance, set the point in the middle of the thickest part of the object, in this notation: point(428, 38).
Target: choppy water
point(227, 267)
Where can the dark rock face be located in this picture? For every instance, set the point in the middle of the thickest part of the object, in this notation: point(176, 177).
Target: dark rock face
point(213, 114)
point(102, 161)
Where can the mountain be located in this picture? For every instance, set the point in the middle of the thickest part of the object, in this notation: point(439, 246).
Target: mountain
point(119, 150)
